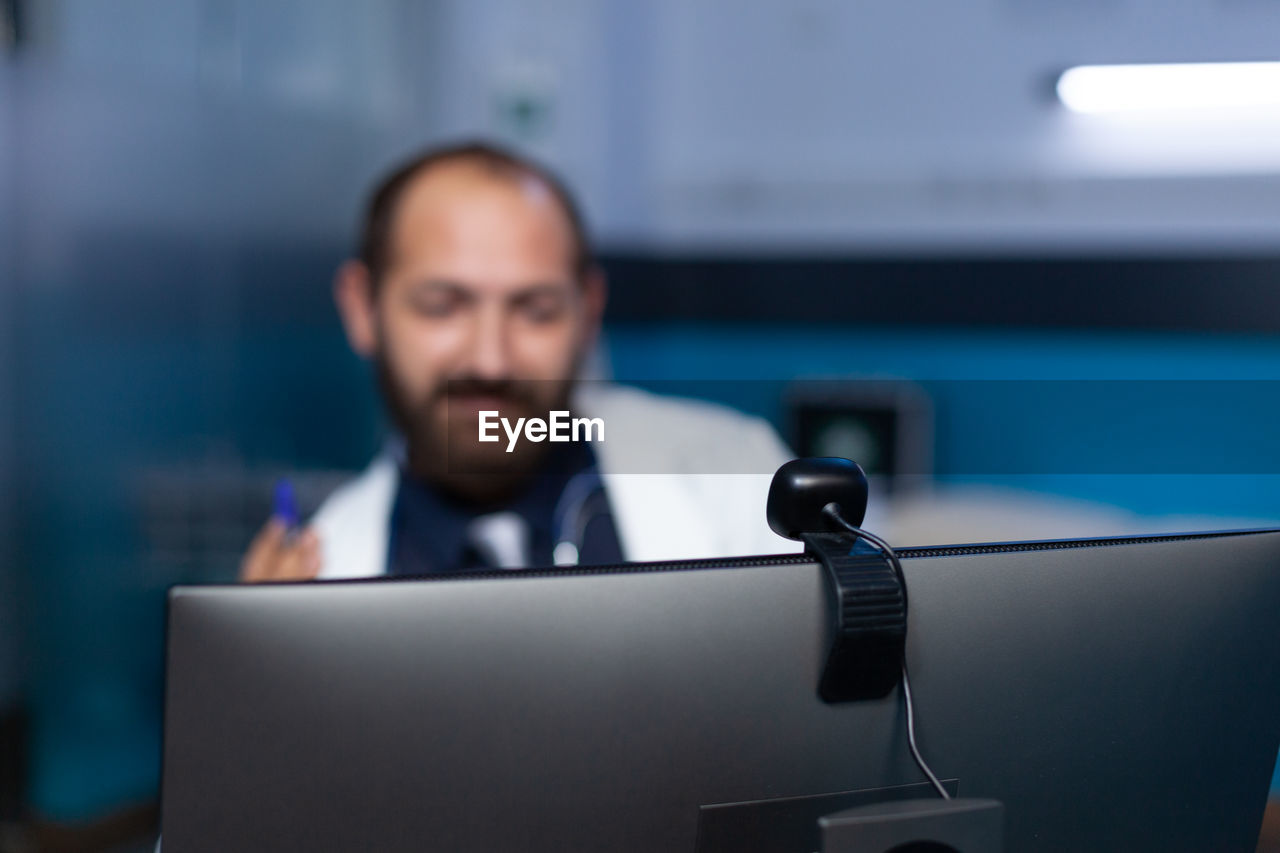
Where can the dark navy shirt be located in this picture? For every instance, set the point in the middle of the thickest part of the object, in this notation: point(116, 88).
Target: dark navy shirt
point(429, 527)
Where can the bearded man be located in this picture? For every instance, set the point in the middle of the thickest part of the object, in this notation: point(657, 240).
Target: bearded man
point(474, 291)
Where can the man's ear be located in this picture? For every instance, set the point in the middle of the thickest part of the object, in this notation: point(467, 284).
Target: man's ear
point(353, 294)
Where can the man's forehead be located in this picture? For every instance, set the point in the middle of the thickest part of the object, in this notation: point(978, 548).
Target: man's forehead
point(441, 181)
point(465, 208)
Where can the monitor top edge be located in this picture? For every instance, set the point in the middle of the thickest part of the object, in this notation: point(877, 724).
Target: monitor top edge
point(904, 552)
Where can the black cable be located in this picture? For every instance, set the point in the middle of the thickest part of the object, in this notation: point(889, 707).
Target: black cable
point(832, 511)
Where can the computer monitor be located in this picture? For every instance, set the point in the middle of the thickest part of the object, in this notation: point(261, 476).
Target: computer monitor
point(1118, 694)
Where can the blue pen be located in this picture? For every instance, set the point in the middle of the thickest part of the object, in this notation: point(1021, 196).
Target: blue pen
point(284, 505)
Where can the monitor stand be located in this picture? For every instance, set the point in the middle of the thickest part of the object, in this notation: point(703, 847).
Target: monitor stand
point(916, 826)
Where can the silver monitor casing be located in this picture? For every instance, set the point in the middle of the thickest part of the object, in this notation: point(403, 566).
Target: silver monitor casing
point(1113, 694)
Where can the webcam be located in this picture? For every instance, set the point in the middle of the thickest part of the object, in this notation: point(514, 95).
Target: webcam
point(802, 489)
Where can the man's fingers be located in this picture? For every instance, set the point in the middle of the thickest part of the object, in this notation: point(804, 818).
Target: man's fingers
point(300, 560)
point(274, 555)
point(263, 553)
point(313, 554)
point(271, 533)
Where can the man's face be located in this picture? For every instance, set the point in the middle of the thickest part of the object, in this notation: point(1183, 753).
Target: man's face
point(480, 308)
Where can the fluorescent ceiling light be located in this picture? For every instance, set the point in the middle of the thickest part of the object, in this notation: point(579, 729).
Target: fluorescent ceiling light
point(1098, 89)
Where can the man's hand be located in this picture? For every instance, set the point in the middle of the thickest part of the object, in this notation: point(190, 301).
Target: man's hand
point(275, 555)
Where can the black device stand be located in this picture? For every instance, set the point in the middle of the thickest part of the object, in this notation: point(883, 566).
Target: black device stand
point(869, 627)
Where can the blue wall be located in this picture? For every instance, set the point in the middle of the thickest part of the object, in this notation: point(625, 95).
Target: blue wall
point(1159, 424)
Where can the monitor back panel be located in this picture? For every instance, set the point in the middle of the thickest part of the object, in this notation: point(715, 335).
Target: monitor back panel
point(1117, 697)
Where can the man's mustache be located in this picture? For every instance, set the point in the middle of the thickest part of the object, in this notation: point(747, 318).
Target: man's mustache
point(511, 391)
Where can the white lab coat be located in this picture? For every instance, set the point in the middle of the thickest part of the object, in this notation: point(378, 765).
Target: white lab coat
point(685, 479)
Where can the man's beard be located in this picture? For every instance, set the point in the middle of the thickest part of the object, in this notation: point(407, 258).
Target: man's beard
point(441, 431)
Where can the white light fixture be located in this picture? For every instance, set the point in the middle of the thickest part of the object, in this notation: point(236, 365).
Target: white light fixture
point(1110, 89)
